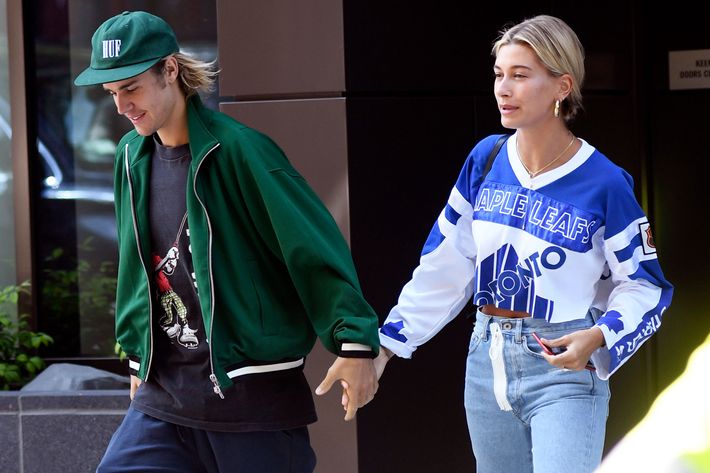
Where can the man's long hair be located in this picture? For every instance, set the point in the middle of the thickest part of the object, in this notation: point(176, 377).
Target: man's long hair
point(194, 75)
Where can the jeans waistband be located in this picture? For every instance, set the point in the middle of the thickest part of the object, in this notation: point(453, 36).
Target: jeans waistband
point(527, 325)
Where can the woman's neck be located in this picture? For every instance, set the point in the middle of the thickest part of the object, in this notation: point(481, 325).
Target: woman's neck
point(543, 150)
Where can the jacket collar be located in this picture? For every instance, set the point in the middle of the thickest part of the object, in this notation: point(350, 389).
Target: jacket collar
point(201, 140)
point(198, 124)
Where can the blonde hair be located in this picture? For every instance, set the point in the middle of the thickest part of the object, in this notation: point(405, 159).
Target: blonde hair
point(559, 50)
point(193, 75)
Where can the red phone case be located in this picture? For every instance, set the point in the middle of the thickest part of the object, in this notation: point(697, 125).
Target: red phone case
point(545, 348)
point(548, 350)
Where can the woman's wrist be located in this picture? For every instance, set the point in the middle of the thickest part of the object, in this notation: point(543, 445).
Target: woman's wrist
point(599, 340)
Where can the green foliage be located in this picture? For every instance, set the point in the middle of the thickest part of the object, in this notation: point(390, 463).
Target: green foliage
point(80, 292)
point(19, 345)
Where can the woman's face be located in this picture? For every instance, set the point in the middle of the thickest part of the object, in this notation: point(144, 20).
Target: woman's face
point(524, 89)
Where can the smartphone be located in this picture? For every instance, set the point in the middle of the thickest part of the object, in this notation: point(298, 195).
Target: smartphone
point(545, 348)
point(549, 351)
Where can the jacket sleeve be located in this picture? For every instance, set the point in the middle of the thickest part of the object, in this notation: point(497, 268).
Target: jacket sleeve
point(443, 282)
point(638, 293)
point(302, 234)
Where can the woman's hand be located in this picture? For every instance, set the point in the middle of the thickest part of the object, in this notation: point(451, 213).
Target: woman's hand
point(381, 361)
point(579, 347)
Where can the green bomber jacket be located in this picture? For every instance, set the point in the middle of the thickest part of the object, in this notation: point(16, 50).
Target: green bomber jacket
point(271, 266)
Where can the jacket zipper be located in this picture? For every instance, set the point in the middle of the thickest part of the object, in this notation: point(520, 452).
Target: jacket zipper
point(140, 256)
point(213, 377)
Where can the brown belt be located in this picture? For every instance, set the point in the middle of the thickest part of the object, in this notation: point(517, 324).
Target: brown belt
point(490, 309)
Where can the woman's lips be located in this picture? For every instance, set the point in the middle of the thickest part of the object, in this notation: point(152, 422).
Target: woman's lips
point(507, 109)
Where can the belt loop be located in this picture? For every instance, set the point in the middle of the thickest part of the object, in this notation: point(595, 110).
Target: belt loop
point(519, 331)
point(484, 320)
point(594, 314)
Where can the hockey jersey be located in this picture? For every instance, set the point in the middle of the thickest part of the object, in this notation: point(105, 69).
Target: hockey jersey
point(555, 246)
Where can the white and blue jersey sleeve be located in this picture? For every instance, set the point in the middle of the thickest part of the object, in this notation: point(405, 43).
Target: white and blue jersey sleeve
point(554, 246)
point(638, 292)
point(443, 282)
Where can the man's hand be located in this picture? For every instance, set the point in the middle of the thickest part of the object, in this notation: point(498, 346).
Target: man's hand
point(135, 382)
point(579, 347)
point(357, 378)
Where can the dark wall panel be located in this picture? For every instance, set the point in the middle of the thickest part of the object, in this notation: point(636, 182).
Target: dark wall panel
point(399, 46)
point(681, 166)
point(679, 163)
point(405, 155)
point(280, 47)
point(607, 31)
point(608, 124)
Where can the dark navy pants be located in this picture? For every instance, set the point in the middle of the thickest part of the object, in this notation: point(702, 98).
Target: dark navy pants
point(143, 444)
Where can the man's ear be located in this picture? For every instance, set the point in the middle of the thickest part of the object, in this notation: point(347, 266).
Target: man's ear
point(171, 69)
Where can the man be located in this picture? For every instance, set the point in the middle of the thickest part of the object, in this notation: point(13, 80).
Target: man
point(229, 267)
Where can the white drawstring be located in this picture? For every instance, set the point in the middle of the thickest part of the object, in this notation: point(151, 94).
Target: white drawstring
point(500, 380)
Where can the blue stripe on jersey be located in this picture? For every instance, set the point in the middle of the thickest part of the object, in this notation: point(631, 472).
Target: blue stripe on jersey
point(540, 309)
point(647, 270)
point(451, 215)
point(556, 222)
point(433, 240)
point(520, 302)
point(626, 253)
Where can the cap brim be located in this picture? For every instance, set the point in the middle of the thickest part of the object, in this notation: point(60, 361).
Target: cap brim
point(103, 76)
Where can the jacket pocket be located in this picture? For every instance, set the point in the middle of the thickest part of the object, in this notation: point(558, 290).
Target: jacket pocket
point(264, 299)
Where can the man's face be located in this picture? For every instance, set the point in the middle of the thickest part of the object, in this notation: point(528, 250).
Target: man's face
point(147, 100)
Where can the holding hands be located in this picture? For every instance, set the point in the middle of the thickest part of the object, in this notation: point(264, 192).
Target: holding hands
point(357, 378)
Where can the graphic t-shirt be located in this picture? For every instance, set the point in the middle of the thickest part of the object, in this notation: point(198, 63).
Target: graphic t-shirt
point(179, 389)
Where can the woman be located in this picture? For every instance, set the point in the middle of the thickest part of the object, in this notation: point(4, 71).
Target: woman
point(551, 241)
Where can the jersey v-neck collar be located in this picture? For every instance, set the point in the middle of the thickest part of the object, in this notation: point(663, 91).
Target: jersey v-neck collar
point(546, 178)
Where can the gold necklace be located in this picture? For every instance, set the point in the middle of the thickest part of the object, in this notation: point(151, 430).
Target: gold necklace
point(533, 174)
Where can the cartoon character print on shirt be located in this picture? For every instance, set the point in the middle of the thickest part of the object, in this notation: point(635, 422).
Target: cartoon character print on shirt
point(174, 321)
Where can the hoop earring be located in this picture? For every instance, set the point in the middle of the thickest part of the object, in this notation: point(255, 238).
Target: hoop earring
point(557, 108)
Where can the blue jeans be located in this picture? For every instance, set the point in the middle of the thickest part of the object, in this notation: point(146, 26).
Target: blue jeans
point(143, 444)
point(525, 415)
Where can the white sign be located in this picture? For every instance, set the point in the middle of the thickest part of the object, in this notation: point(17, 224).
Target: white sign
point(689, 69)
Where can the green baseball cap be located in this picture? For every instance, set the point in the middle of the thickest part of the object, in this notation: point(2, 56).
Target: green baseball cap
point(127, 45)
